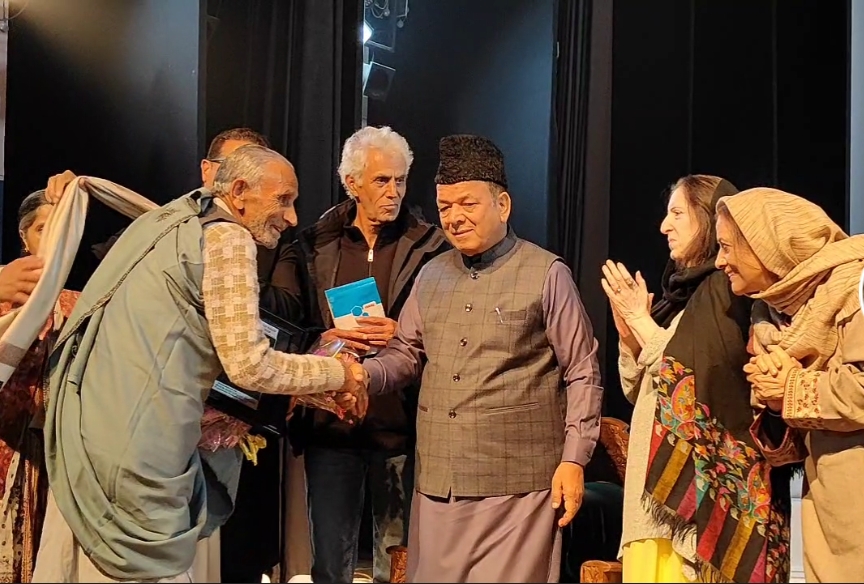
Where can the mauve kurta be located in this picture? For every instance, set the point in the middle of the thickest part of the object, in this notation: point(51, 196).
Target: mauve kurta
point(511, 538)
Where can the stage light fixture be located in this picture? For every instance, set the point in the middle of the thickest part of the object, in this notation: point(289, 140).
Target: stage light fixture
point(384, 18)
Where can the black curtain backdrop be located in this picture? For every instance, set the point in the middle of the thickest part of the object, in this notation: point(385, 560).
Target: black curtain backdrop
point(581, 140)
point(289, 69)
point(475, 67)
point(570, 131)
point(750, 91)
point(107, 89)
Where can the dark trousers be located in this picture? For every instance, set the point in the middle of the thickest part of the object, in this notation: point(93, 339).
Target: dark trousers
point(336, 480)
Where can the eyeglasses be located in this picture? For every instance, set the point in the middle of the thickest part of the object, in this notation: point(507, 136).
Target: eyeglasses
point(217, 160)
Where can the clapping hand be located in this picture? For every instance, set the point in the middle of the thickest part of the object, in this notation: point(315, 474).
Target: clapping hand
point(768, 374)
point(628, 296)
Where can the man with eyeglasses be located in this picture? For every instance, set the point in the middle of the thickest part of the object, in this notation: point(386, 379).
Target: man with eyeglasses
point(250, 538)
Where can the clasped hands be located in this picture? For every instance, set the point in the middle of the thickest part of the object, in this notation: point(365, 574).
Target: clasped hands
point(767, 375)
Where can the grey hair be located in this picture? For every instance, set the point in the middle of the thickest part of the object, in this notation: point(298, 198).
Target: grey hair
point(29, 206)
point(355, 152)
point(246, 163)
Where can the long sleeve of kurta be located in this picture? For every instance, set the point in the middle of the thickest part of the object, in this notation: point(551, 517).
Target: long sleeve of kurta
point(230, 291)
point(779, 443)
point(569, 333)
point(401, 363)
point(831, 399)
point(572, 338)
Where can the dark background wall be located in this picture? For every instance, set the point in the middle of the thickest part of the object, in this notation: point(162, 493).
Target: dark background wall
point(465, 67)
point(751, 91)
point(289, 69)
point(104, 88)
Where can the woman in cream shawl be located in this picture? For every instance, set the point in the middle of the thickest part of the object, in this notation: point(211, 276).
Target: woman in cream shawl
point(808, 342)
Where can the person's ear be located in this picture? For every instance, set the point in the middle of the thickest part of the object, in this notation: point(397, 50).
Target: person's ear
point(206, 165)
point(238, 193)
point(503, 205)
point(23, 241)
point(352, 185)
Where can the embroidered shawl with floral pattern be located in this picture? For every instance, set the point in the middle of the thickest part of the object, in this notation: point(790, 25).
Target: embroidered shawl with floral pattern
point(704, 471)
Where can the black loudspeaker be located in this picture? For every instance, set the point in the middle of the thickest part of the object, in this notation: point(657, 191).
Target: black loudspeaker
point(377, 79)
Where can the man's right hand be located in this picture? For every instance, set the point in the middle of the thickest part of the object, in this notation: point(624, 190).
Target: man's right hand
point(57, 186)
point(353, 395)
point(18, 279)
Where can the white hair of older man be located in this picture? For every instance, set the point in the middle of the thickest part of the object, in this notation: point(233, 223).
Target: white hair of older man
point(246, 163)
point(356, 151)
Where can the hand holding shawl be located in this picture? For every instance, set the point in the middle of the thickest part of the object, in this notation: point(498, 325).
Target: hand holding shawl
point(60, 241)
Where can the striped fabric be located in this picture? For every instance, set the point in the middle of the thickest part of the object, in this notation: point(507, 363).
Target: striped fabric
point(819, 267)
point(60, 240)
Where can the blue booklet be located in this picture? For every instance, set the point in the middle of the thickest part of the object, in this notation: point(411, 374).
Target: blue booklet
point(352, 301)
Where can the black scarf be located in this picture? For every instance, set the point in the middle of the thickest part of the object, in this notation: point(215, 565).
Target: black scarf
point(678, 287)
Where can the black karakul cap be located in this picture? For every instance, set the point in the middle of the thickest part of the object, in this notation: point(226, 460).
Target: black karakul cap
point(465, 157)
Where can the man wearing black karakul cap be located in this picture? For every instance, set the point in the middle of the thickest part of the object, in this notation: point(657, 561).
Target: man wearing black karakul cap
point(509, 408)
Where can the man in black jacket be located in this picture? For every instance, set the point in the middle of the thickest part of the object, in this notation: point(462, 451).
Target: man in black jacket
point(370, 235)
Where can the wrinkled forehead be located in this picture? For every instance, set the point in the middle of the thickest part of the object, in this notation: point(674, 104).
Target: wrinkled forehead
point(473, 190)
point(280, 176)
point(385, 161)
point(726, 230)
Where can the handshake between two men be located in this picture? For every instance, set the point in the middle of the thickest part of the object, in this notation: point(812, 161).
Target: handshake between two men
point(353, 398)
point(373, 332)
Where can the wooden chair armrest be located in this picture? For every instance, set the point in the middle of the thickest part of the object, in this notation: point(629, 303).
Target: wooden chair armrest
point(601, 571)
point(615, 437)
